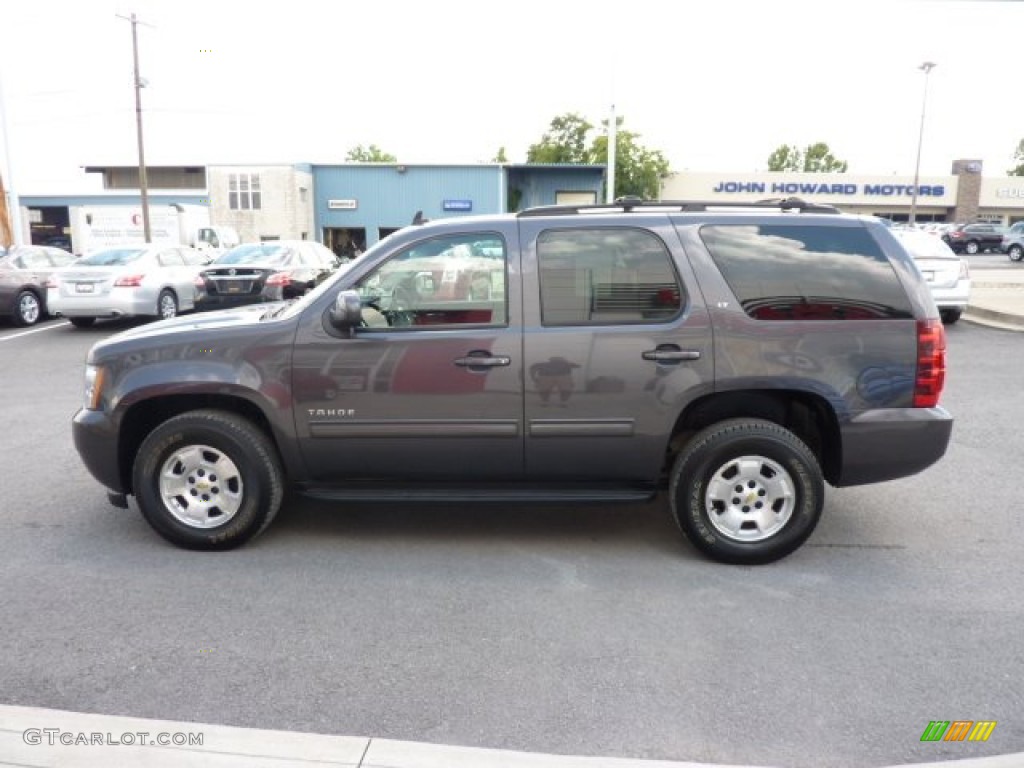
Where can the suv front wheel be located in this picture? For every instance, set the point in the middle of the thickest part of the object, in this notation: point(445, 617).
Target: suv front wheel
point(207, 480)
point(747, 491)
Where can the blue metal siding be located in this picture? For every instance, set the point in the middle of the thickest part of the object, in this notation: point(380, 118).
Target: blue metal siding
point(540, 186)
point(390, 195)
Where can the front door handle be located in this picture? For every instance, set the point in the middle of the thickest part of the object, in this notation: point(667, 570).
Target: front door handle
point(482, 359)
point(669, 353)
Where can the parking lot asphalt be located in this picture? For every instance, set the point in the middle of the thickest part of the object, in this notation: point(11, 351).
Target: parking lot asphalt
point(44, 738)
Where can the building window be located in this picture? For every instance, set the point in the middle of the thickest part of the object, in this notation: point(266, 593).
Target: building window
point(244, 192)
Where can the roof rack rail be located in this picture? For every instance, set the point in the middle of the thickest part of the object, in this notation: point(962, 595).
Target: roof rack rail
point(629, 204)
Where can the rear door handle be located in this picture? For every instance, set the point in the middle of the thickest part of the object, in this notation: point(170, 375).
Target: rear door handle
point(484, 360)
point(670, 354)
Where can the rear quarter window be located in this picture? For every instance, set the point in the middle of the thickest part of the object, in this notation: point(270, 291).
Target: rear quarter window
point(799, 272)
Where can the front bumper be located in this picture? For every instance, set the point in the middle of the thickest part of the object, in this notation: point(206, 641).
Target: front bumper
point(95, 439)
point(890, 443)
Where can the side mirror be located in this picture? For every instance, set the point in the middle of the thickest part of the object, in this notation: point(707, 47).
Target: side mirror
point(347, 312)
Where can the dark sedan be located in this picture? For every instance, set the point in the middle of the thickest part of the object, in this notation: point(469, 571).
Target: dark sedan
point(269, 271)
point(24, 271)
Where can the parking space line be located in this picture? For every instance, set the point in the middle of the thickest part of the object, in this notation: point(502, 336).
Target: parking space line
point(34, 330)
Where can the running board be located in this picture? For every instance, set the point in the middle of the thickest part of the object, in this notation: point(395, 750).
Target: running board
point(491, 494)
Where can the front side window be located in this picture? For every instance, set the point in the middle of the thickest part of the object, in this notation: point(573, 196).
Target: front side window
point(454, 280)
point(606, 276)
point(244, 192)
point(801, 272)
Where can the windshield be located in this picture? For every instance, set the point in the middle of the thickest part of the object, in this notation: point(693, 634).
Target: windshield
point(264, 253)
point(111, 257)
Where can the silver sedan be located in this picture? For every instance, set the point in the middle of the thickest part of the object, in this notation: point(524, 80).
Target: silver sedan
point(126, 281)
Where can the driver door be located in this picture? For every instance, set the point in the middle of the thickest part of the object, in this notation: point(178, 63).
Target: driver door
point(431, 386)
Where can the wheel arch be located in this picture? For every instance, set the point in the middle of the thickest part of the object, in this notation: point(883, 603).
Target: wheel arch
point(142, 417)
point(808, 416)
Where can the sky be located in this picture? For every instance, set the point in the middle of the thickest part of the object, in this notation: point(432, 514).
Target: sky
point(715, 85)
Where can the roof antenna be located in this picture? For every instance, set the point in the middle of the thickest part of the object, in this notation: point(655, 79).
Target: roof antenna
point(418, 219)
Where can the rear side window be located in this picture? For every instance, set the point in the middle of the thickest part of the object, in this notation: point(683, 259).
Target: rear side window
point(793, 272)
point(606, 276)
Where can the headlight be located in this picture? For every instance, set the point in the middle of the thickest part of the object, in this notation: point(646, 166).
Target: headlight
point(95, 376)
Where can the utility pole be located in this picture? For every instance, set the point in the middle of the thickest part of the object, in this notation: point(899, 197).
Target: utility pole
point(926, 67)
point(139, 85)
point(10, 208)
point(613, 130)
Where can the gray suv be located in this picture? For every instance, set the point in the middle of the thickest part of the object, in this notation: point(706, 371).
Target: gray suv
point(737, 359)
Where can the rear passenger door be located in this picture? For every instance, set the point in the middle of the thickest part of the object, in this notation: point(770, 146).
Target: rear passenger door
point(617, 342)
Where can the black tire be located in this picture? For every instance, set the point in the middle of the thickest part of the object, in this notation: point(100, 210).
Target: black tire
point(166, 305)
point(189, 451)
point(28, 309)
point(950, 316)
point(82, 322)
point(1015, 252)
point(777, 459)
point(971, 247)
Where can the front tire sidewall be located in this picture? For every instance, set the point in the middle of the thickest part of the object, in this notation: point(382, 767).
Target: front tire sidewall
point(243, 444)
point(716, 446)
point(1016, 253)
point(166, 306)
point(28, 309)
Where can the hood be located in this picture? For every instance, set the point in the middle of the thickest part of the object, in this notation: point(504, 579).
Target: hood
point(185, 327)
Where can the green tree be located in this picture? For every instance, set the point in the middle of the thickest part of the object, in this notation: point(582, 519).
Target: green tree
point(1018, 156)
point(786, 158)
point(565, 142)
point(370, 154)
point(638, 170)
point(814, 158)
point(501, 157)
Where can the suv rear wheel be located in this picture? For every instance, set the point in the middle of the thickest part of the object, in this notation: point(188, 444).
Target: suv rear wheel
point(208, 480)
point(747, 491)
point(971, 247)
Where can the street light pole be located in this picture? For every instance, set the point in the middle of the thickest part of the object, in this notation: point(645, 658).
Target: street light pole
point(926, 67)
point(139, 83)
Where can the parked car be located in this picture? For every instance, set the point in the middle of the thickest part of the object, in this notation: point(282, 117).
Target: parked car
point(974, 238)
point(24, 271)
point(1013, 242)
point(734, 360)
point(268, 271)
point(125, 281)
point(948, 275)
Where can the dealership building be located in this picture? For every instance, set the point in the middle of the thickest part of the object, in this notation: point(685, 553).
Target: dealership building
point(364, 202)
point(965, 195)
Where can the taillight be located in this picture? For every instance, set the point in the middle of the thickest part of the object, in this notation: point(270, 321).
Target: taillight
point(129, 281)
point(279, 278)
point(931, 363)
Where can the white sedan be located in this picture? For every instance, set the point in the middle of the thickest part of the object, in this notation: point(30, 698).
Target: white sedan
point(126, 281)
point(947, 275)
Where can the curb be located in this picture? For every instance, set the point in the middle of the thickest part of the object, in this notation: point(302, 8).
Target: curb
point(993, 318)
point(26, 733)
